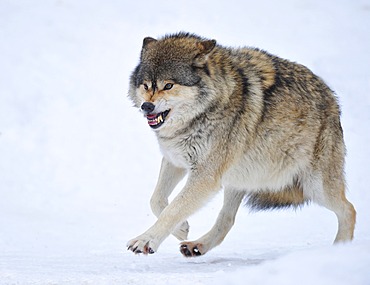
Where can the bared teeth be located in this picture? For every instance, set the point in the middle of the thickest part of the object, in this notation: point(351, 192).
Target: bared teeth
point(156, 120)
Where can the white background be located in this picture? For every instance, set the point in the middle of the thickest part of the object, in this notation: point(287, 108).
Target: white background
point(78, 164)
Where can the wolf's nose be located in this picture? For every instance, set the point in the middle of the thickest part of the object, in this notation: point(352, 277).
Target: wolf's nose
point(147, 107)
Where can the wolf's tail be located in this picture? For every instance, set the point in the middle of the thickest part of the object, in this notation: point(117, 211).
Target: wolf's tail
point(291, 196)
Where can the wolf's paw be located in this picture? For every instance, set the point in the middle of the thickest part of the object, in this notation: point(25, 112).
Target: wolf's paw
point(142, 244)
point(192, 249)
point(181, 232)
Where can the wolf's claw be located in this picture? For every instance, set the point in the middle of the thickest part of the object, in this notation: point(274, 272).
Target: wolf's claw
point(185, 251)
point(196, 251)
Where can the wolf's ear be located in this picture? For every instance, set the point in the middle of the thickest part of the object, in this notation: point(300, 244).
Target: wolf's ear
point(147, 41)
point(205, 48)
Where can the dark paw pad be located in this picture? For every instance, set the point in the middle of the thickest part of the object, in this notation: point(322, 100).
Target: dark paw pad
point(189, 252)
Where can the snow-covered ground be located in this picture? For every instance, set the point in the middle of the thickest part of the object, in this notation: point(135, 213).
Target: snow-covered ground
point(78, 163)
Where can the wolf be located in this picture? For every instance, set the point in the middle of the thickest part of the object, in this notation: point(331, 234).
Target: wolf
point(264, 129)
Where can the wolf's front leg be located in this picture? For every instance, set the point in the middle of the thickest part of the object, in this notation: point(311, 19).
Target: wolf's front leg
point(169, 176)
point(199, 188)
point(216, 235)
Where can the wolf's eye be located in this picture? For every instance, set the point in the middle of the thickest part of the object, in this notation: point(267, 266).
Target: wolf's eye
point(168, 86)
point(145, 86)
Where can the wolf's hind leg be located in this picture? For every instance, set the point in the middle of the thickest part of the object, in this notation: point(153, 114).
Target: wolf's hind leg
point(216, 235)
point(345, 212)
point(329, 192)
point(169, 177)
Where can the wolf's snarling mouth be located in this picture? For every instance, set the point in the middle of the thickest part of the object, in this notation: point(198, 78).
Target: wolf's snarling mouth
point(156, 120)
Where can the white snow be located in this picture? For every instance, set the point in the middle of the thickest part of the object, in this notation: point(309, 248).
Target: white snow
point(78, 163)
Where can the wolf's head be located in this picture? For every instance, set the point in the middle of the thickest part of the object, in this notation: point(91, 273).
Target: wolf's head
point(166, 82)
